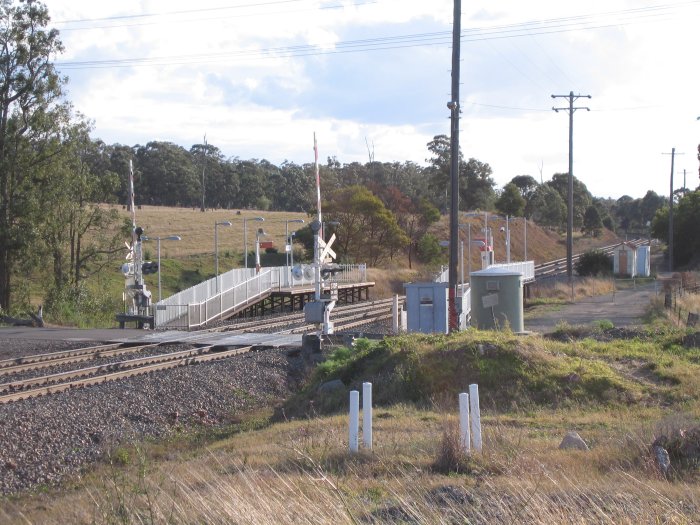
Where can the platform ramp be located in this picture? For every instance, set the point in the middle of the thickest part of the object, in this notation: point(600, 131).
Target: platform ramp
point(234, 291)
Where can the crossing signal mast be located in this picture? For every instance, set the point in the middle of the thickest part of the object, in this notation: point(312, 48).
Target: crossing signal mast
point(319, 310)
point(137, 298)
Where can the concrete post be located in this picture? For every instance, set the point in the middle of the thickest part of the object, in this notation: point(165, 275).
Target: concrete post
point(395, 314)
point(464, 439)
point(475, 416)
point(367, 415)
point(354, 420)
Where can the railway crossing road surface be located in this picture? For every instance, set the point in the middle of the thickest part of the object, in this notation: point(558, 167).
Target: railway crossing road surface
point(624, 308)
point(70, 334)
point(115, 335)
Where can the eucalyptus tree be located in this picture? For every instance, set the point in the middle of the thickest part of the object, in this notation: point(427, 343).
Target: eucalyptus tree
point(367, 229)
point(167, 175)
point(582, 197)
point(511, 202)
point(546, 207)
point(80, 234)
point(292, 188)
point(476, 186)
point(30, 97)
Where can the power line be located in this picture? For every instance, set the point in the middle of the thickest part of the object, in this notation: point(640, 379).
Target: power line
point(658, 9)
point(182, 12)
point(511, 108)
point(190, 20)
point(531, 28)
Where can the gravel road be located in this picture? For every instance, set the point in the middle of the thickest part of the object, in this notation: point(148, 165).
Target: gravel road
point(624, 308)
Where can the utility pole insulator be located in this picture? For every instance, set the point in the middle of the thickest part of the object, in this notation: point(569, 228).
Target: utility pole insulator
point(570, 204)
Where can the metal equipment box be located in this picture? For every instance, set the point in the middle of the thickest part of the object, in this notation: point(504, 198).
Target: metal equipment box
point(427, 307)
point(497, 299)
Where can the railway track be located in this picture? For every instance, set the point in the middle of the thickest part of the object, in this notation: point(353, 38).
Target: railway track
point(558, 266)
point(38, 361)
point(346, 317)
point(55, 383)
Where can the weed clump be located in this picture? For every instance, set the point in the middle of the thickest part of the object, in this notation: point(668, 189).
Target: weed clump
point(451, 454)
point(683, 446)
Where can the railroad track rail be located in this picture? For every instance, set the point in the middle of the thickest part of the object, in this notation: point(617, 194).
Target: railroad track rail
point(346, 320)
point(558, 266)
point(346, 317)
point(55, 383)
point(295, 322)
point(38, 361)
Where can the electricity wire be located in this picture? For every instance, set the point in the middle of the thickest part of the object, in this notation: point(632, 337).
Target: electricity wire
point(384, 43)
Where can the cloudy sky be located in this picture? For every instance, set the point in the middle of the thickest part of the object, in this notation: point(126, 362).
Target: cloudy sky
point(259, 77)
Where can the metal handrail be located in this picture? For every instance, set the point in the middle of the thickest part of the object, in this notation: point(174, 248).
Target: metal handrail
point(216, 298)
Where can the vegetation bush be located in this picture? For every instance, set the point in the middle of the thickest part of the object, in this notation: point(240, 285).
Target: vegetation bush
point(594, 263)
point(79, 306)
point(429, 250)
point(682, 442)
point(423, 370)
point(451, 456)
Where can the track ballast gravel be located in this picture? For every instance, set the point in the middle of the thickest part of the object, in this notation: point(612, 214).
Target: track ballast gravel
point(44, 440)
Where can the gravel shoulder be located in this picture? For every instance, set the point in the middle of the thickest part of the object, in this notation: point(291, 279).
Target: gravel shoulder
point(624, 308)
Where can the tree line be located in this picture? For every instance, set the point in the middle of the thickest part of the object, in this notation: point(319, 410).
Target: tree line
point(54, 175)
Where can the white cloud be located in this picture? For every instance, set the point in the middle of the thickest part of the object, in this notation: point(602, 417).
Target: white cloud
point(639, 70)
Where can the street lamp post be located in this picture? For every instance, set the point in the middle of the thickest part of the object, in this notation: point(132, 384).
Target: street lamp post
point(216, 248)
point(286, 239)
point(507, 239)
point(158, 239)
point(260, 232)
point(470, 242)
point(291, 251)
point(245, 235)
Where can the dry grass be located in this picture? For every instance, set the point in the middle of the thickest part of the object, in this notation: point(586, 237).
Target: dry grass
point(197, 232)
point(582, 287)
point(689, 302)
point(543, 244)
point(301, 472)
point(197, 228)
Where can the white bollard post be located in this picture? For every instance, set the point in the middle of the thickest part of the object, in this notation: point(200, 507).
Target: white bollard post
point(464, 421)
point(354, 420)
point(367, 415)
point(395, 314)
point(476, 416)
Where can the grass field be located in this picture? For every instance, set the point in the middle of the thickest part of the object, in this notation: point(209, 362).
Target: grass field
point(197, 232)
point(618, 395)
point(197, 229)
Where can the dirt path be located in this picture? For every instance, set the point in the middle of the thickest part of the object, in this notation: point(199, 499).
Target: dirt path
point(624, 308)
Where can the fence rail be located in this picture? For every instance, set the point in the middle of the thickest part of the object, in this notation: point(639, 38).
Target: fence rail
point(671, 295)
point(235, 289)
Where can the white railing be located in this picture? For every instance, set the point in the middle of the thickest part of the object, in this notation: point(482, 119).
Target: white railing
point(236, 288)
point(526, 268)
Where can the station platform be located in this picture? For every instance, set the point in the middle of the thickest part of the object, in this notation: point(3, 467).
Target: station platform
point(294, 298)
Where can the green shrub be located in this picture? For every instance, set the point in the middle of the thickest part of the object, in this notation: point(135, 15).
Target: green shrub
point(594, 263)
point(429, 250)
point(604, 324)
point(78, 306)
